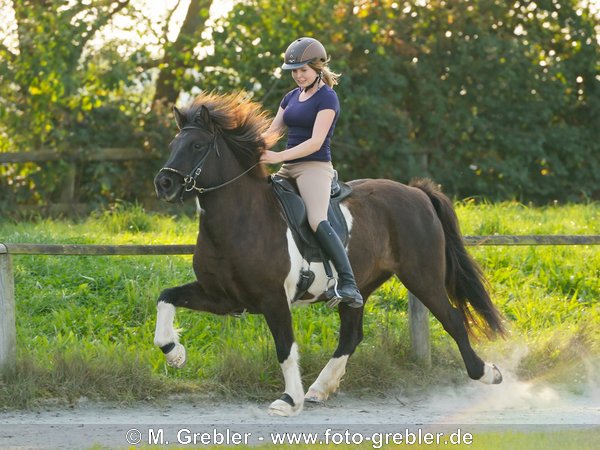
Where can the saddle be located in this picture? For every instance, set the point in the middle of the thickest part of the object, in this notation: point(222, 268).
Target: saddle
point(295, 214)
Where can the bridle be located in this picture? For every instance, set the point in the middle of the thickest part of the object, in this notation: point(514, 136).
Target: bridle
point(190, 180)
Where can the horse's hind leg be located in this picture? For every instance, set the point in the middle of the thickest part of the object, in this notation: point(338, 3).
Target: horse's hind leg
point(351, 334)
point(279, 320)
point(431, 292)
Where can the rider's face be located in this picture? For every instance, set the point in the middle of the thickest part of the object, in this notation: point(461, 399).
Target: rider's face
point(304, 76)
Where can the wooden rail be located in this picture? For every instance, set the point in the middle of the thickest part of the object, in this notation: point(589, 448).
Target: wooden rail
point(96, 250)
point(74, 158)
point(418, 314)
point(188, 249)
point(99, 154)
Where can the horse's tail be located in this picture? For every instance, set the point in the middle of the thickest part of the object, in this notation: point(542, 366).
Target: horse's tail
point(465, 283)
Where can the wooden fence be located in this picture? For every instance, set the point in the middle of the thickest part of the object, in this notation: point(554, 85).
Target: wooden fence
point(100, 154)
point(74, 160)
point(418, 314)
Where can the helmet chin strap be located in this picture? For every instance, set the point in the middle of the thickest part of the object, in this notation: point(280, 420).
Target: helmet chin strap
point(319, 78)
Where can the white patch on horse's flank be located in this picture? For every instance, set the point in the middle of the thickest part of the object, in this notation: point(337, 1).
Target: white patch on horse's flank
point(349, 220)
point(328, 380)
point(297, 262)
point(165, 333)
point(319, 286)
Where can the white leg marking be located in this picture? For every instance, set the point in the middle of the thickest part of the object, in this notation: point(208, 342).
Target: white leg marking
point(328, 380)
point(293, 387)
point(165, 334)
point(491, 374)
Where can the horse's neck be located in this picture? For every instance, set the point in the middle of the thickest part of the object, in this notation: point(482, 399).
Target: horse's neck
point(240, 208)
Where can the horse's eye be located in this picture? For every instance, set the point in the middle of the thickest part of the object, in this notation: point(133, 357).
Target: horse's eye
point(197, 146)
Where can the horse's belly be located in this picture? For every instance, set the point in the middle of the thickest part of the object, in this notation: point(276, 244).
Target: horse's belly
point(297, 263)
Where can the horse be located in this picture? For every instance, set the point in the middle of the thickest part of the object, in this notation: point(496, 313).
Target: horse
point(246, 259)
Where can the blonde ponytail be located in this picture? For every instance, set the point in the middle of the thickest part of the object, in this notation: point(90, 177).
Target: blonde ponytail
point(329, 76)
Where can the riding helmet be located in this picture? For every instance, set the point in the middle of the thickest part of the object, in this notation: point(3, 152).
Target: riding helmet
point(303, 51)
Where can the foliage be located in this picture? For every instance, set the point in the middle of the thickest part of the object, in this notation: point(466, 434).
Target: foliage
point(490, 98)
point(58, 92)
point(74, 310)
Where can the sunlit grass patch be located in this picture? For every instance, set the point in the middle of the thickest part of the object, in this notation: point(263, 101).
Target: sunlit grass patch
point(484, 218)
point(107, 372)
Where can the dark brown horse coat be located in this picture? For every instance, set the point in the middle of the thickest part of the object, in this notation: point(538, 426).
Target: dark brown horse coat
point(246, 259)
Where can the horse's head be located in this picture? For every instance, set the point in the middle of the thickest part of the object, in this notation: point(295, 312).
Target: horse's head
point(190, 149)
point(220, 139)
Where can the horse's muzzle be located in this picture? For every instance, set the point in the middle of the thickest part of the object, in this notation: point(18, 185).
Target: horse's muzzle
point(168, 186)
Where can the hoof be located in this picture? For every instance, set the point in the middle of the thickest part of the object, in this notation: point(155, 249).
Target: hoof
point(491, 374)
point(313, 396)
point(176, 357)
point(284, 409)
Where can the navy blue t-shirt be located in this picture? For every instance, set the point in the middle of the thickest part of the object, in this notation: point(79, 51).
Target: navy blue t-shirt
point(300, 117)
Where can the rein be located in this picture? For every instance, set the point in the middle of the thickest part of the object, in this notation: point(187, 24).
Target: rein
point(189, 181)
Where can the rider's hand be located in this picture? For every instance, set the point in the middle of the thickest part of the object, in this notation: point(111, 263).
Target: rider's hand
point(269, 157)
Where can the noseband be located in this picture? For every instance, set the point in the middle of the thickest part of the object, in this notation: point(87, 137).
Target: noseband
point(189, 181)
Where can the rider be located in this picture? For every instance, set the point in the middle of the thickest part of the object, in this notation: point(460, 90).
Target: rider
point(310, 113)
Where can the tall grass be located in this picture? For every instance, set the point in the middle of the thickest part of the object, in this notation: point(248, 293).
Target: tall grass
point(85, 324)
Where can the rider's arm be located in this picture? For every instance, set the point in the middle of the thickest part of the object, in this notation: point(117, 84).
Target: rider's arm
point(277, 124)
point(272, 135)
point(323, 122)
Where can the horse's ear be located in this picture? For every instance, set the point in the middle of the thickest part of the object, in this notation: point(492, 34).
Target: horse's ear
point(203, 118)
point(179, 117)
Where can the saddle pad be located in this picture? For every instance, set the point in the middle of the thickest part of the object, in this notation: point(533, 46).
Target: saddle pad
point(295, 213)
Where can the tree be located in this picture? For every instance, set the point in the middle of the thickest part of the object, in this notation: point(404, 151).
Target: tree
point(487, 97)
point(59, 91)
point(490, 98)
point(179, 55)
point(41, 79)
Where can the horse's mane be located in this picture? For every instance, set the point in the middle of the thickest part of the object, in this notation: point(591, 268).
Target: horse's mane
point(241, 122)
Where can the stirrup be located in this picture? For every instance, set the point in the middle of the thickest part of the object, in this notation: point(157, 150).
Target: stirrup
point(335, 298)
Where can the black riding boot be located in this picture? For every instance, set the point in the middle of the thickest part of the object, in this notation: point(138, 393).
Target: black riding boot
point(334, 249)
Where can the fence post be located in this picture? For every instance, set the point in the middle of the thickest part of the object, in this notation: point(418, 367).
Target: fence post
point(68, 190)
point(8, 330)
point(418, 319)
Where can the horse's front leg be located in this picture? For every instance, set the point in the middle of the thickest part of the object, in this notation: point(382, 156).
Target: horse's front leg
point(191, 296)
point(166, 337)
point(279, 320)
point(351, 333)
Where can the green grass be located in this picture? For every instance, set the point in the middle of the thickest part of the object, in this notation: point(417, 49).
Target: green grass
point(85, 325)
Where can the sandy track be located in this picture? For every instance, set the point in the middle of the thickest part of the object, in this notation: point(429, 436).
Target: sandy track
point(473, 407)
